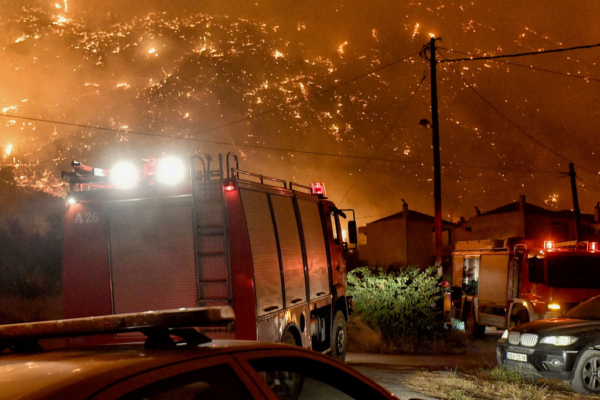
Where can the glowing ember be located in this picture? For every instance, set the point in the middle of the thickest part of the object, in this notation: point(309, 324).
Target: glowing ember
point(415, 31)
point(7, 109)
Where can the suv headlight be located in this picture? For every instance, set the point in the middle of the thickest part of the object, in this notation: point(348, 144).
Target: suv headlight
point(559, 340)
point(505, 334)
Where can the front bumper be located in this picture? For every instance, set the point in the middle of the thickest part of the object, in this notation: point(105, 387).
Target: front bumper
point(542, 361)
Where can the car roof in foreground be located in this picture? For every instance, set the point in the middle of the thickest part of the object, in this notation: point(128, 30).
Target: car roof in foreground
point(23, 374)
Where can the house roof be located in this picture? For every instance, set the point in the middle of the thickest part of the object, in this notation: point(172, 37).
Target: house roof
point(535, 210)
point(414, 216)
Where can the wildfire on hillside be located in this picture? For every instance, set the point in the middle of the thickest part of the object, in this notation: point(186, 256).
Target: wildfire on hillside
point(83, 81)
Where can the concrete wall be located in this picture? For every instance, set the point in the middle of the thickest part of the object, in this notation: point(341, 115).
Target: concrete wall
point(421, 246)
point(386, 243)
point(539, 227)
point(503, 226)
point(494, 226)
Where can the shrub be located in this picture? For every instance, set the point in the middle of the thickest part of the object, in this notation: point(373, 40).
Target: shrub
point(402, 304)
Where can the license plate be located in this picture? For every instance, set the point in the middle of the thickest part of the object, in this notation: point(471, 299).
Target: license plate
point(516, 356)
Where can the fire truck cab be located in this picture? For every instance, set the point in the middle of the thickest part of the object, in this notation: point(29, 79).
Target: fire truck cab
point(504, 283)
point(273, 252)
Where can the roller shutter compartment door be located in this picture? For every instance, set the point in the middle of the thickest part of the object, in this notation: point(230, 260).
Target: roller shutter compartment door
point(493, 279)
point(152, 258)
point(316, 253)
point(291, 250)
point(265, 258)
point(458, 266)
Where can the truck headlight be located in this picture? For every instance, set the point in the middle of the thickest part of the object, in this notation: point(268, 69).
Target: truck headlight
point(505, 334)
point(554, 306)
point(559, 340)
point(170, 170)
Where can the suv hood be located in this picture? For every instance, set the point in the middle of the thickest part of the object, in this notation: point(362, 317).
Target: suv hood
point(558, 325)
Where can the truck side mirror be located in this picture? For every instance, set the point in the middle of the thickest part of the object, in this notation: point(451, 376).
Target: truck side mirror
point(352, 233)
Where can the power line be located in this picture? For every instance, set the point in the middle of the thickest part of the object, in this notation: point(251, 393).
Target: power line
point(371, 158)
point(531, 53)
point(505, 117)
point(412, 96)
point(514, 124)
point(531, 67)
point(215, 142)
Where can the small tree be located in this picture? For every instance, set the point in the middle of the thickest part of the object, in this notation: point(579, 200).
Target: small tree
point(401, 303)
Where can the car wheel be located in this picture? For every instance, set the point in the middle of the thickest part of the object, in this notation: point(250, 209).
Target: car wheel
point(587, 373)
point(338, 346)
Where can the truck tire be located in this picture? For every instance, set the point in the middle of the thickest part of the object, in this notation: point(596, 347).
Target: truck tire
point(289, 338)
point(472, 329)
point(586, 378)
point(340, 338)
point(522, 317)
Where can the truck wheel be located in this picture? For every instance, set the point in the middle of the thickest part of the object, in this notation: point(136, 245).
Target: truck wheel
point(338, 345)
point(522, 317)
point(586, 378)
point(289, 338)
point(472, 329)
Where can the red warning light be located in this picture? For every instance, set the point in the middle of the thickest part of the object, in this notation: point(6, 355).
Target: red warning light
point(229, 186)
point(318, 188)
point(593, 246)
point(548, 245)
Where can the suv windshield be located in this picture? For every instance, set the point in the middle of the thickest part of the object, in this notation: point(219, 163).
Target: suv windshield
point(589, 309)
point(577, 271)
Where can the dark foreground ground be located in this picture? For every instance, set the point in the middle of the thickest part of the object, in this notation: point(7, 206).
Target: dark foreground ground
point(389, 370)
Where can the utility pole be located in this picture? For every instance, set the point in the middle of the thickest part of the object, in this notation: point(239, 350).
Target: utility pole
point(437, 176)
point(573, 176)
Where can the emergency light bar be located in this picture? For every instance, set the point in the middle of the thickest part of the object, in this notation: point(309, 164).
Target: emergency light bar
point(12, 335)
point(548, 245)
point(318, 188)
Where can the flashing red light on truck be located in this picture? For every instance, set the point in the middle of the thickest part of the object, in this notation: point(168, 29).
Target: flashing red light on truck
point(593, 246)
point(318, 188)
point(229, 186)
point(548, 245)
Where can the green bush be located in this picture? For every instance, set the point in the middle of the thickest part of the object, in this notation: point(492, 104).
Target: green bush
point(401, 303)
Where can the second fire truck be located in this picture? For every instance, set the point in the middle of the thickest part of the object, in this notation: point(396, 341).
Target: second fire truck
point(225, 237)
point(504, 283)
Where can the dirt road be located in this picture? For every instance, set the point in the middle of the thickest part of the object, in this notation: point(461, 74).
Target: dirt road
point(386, 369)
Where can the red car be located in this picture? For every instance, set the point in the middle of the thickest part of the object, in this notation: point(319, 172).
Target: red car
point(162, 368)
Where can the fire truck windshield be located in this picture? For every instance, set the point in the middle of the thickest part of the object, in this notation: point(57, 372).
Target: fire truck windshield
point(577, 271)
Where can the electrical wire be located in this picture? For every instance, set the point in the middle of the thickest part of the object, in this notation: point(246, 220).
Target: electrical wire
point(514, 124)
point(540, 69)
point(412, 96)
point(531, 67)
point(305, 99)
point(530, 53)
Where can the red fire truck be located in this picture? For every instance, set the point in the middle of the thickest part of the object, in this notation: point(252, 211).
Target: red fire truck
point(272, 251)
point(503, 283)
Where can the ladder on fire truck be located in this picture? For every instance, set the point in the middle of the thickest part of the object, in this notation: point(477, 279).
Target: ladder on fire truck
point(211, 238)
